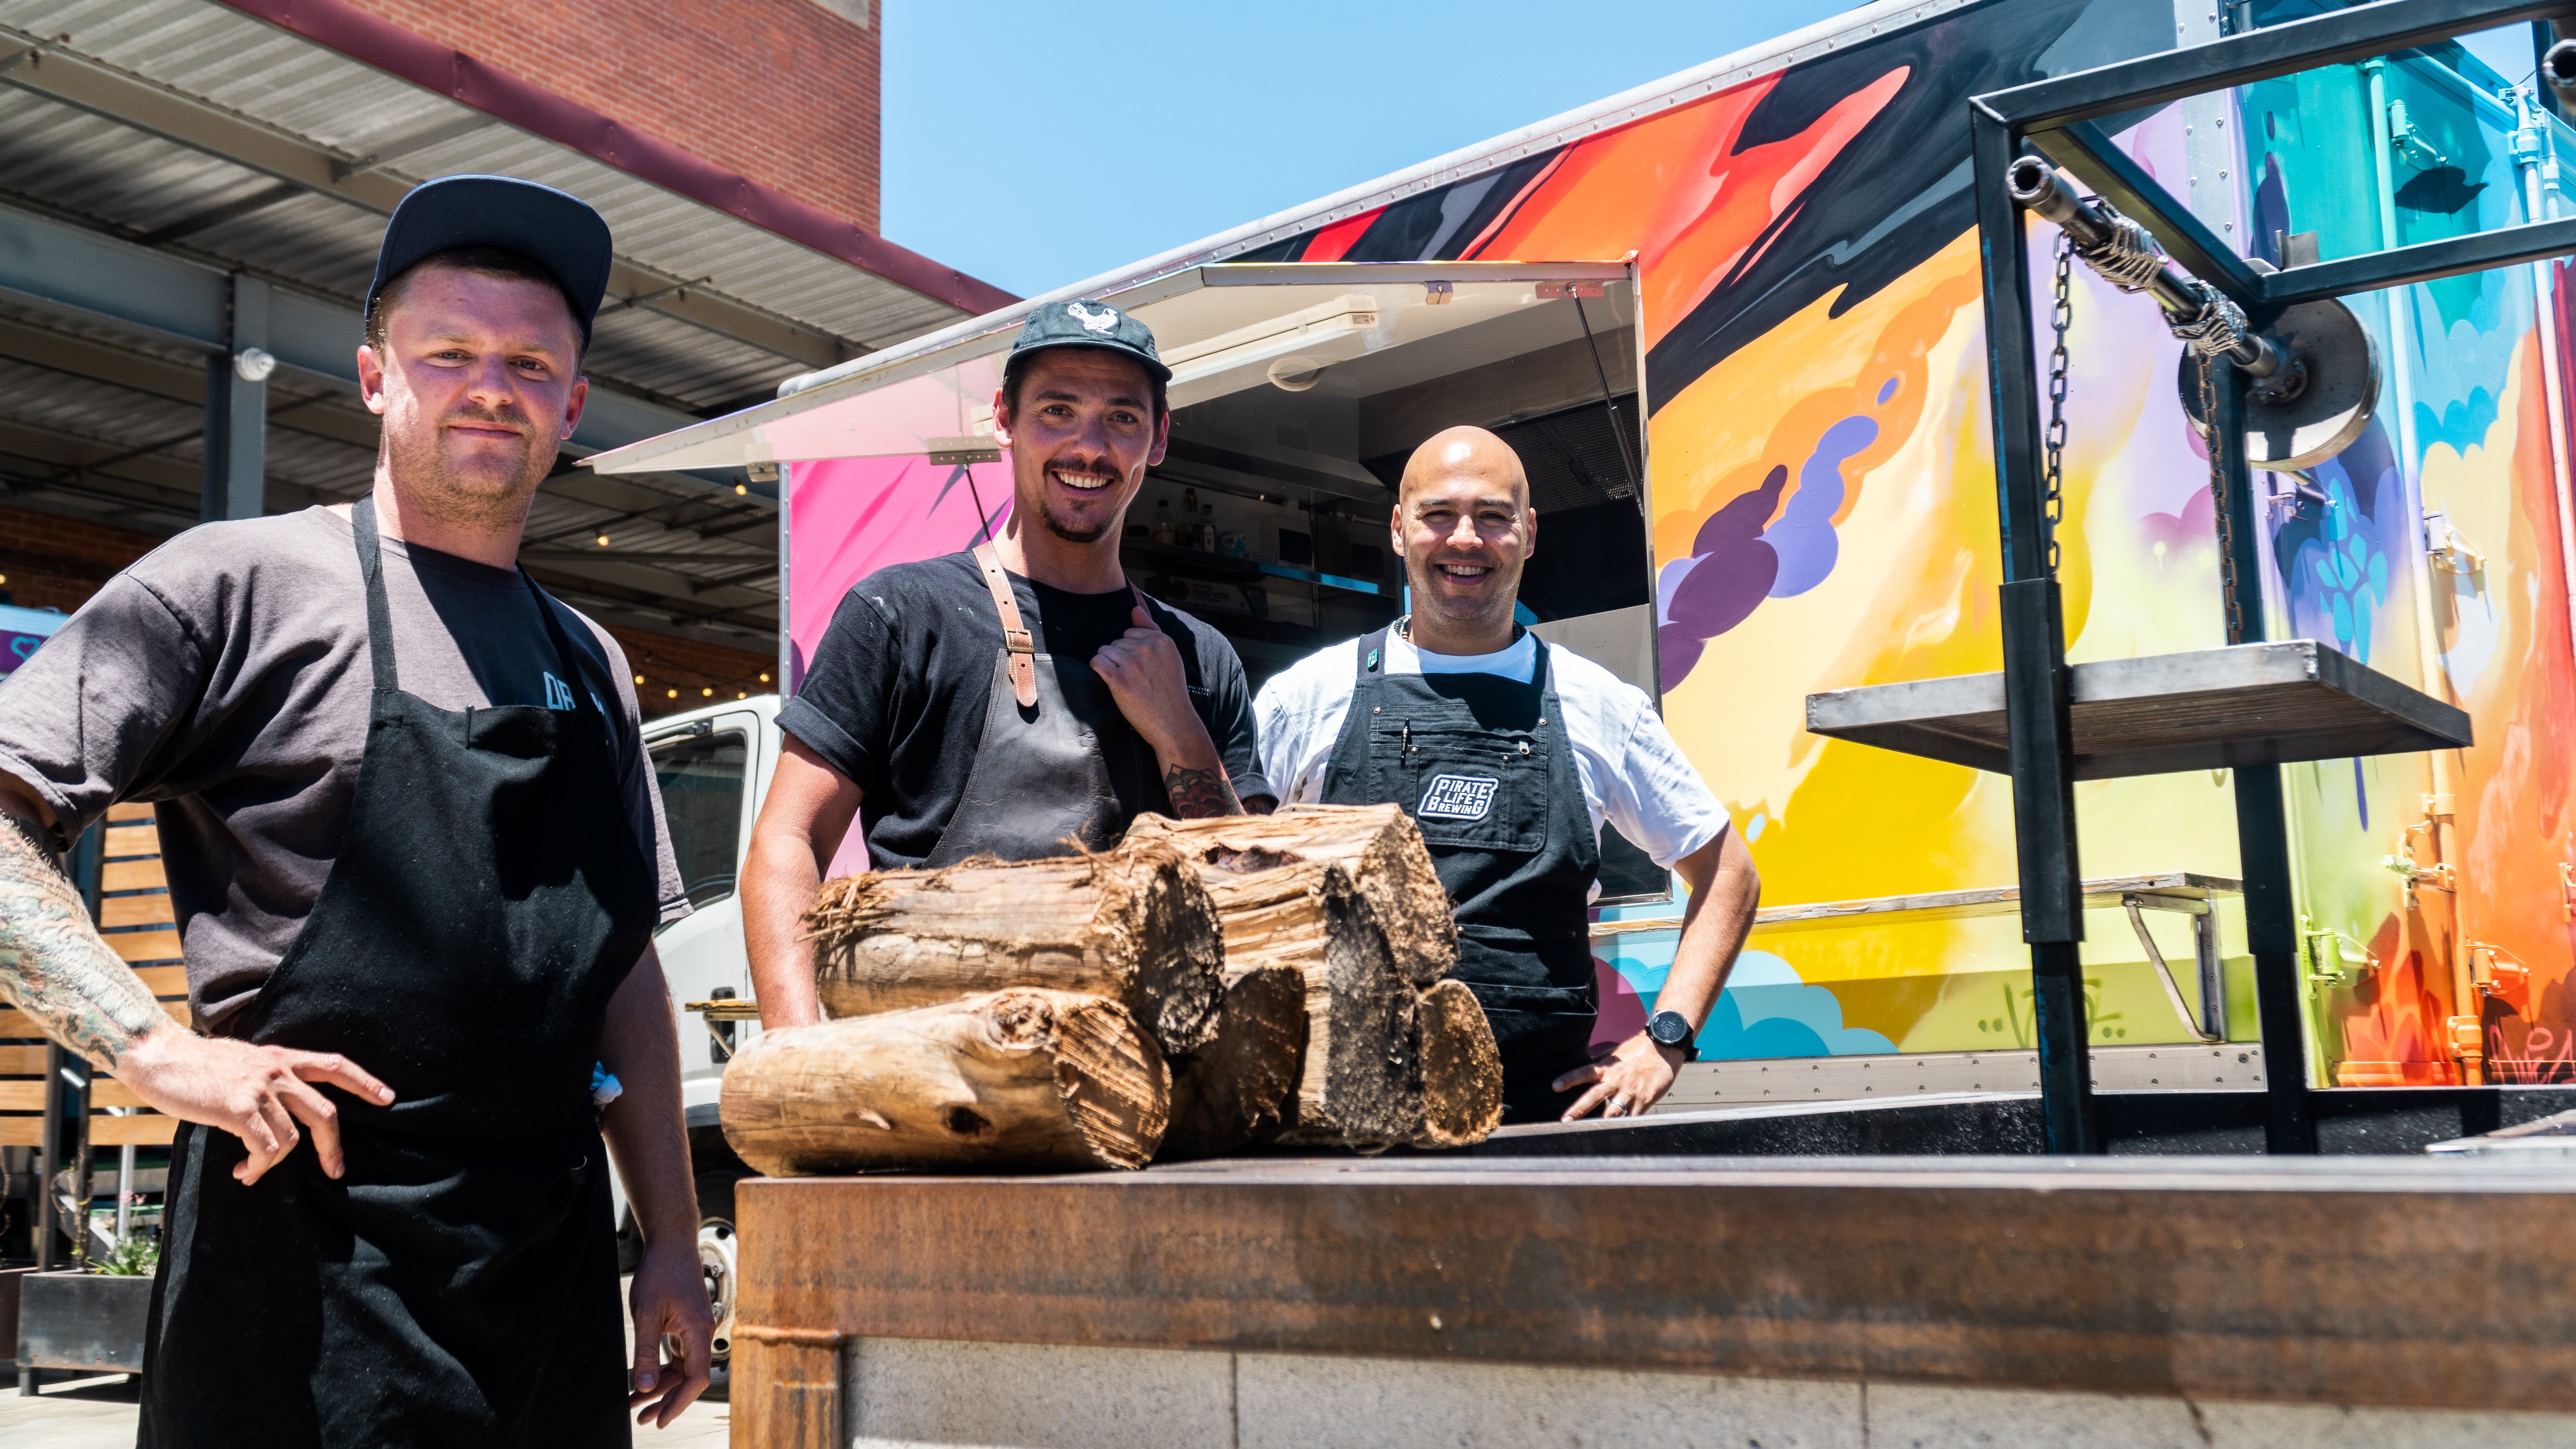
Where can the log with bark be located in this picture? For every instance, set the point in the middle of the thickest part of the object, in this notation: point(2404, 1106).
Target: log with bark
point(1237, 1089)
point(1020, 1079)
point(1361, 1080)
point(1462, 1071)
point(1132, 925)
point(1379, 846)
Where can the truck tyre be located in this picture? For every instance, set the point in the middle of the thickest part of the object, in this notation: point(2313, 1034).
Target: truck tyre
point(716, 1266)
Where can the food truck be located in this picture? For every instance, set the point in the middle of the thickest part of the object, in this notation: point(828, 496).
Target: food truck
point(1731, 321)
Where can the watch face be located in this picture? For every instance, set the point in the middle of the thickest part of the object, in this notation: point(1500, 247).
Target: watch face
point(1669, 1027)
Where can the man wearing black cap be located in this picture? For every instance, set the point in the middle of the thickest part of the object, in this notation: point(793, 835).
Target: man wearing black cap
point(416, 857)
point(1018, 700)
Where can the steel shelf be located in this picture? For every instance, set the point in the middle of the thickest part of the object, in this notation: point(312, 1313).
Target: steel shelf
point(2249, 704)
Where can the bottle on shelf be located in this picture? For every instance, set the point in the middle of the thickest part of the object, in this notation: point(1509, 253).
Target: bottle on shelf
point(1166, 530)
point(1206, 533)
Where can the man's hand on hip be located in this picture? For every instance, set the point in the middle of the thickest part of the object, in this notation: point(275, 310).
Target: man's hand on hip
point(1143, 668)
point(257, 1093)
point(669, 1298)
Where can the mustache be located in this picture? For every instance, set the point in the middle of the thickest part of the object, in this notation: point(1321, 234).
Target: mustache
point(513, 418)
point(1098, 464)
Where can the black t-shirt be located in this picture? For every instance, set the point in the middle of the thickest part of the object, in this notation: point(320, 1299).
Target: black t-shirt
point(894, 696)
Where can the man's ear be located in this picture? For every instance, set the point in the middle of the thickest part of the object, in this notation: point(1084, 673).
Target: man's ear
point(1162, 439)
point(1529, 527)
point(572, 409)
point(1395, 525)
point(371, 378)
point(1002, 418)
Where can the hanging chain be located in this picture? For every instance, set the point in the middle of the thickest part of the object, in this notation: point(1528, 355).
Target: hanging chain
point(2220, 504)
point(2053, 504)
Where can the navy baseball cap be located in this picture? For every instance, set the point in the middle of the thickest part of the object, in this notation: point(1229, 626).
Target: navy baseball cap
point(1089, 324)
point(555, 229)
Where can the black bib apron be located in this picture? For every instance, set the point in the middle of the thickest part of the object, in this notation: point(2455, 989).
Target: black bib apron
point(458, 1286)
point(1482, 764)
point(1041, 778)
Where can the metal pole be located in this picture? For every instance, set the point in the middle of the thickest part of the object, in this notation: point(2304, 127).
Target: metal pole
point(236, 444)
point(2035, 673)
point(2262, 814)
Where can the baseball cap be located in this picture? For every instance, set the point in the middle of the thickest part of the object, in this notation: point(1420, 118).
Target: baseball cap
point(1090, 324)
point(555, 229)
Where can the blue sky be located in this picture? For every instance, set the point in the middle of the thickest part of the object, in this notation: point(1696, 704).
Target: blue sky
point(1034, 145)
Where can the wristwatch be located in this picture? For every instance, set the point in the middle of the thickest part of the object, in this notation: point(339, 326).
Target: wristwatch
point(1672, 1029)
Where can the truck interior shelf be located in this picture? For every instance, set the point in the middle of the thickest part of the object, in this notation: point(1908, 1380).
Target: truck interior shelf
point(2206, 709)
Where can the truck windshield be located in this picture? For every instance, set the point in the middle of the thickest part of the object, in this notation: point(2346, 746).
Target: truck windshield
point(701, 781)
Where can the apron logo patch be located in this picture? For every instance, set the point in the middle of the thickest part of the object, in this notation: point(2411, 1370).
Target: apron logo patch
point(1458, 797)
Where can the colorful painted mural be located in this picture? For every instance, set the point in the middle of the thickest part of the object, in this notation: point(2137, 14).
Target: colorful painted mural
point(1822, 515)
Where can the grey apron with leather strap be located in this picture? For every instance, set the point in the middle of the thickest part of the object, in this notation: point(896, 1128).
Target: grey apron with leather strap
point(1482, 764)
point(458, 1285)
point(1041, 783)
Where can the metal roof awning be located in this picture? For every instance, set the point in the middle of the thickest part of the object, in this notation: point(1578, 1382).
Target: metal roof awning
point(1220, 327)
point(180, 178)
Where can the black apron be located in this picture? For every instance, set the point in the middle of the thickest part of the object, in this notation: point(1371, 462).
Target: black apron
point(1482, 764)
point(459, 1284)
point(1041, 783)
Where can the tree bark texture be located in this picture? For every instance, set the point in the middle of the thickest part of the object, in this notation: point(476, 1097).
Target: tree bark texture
point(1379, 846)
point(1462, 1072)
point(1028, 1079)
point(1132, 925)
point(1238, 1088)
point(1361, 1082)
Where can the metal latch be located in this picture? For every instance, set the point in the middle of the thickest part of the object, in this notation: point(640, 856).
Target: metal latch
point(2448, 549)
point(1439, 294)
point(2410, 143)
point(1557, 291)
point(2318, 945)
point(2486, 960)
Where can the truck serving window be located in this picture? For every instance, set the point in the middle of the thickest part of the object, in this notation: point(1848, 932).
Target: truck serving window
point(701, 778)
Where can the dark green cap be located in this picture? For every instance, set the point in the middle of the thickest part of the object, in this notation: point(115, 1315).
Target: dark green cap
point(1090, 324)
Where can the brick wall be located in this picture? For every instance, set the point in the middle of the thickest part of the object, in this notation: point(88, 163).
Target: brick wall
point(684, 673)
point(52, 562)
point(707, 75)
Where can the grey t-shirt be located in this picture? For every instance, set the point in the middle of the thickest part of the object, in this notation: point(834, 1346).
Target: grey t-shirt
point(225, 679)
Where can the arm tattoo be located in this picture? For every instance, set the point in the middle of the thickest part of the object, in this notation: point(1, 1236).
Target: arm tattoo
point(1197, 794)
point(54, 966)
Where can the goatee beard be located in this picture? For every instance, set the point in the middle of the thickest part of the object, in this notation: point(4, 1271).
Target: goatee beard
point(1070, 533)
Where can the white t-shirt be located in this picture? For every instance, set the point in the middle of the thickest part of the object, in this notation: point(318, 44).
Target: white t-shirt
point(1633, 774)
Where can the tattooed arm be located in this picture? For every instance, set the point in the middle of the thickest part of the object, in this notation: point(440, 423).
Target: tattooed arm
point(1196, 793)
point(55, 967)
point(1143, 669)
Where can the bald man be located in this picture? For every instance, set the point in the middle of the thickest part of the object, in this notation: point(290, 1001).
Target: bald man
point(1510, 754)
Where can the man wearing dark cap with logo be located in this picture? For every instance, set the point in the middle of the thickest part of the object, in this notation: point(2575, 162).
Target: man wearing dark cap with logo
point(417, 857)
point(1021, 699)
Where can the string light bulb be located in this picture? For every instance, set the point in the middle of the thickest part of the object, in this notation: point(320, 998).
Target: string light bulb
point(603, 540)
point(673, 693)
point(708, 693)
point(764, 679)
point(639, 679)
point(740, 490)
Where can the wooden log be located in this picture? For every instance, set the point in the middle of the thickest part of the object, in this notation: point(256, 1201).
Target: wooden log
point(1132, 925)
point(1026, 1078)
point(1237, 1089)
point(1361, 1082)
point(1462, 1072)
point(1378, 844)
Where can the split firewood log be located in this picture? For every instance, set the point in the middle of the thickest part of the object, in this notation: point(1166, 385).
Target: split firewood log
point(1132, 925)
point(1462, 1071)
point(1361, 1081)
point(1237, 1089)
point(1023, 1079)
point(1379, 845)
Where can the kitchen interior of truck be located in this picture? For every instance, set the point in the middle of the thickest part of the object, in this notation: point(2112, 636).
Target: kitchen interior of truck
point(1298, 392)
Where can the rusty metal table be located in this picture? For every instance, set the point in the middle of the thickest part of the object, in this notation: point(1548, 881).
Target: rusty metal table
point(2395, 1282)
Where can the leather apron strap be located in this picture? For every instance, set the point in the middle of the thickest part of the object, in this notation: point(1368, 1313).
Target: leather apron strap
point(1023, 650)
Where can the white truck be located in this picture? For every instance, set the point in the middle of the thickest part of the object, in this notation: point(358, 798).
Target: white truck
point(713, 767)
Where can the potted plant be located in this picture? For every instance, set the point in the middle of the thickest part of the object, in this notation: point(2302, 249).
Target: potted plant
point(89, 1319)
